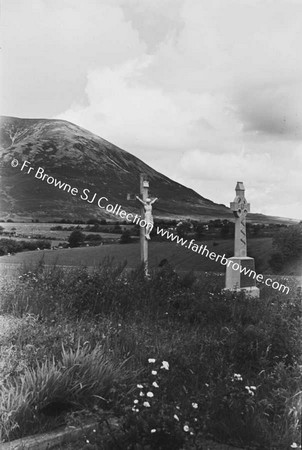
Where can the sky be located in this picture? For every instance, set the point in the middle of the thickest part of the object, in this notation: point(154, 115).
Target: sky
point(208, 92)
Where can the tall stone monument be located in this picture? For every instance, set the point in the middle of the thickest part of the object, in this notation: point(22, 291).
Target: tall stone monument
point(236, 278)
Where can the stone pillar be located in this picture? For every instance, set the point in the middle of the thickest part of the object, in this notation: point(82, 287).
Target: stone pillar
point(236, 280)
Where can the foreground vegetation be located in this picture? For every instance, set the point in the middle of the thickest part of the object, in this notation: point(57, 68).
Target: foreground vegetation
point(174, 358)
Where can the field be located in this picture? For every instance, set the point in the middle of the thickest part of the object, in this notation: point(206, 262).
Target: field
point(25, 231)
point(181, 258)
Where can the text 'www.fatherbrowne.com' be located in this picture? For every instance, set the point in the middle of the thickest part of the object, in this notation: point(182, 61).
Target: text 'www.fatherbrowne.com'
point(203, 250)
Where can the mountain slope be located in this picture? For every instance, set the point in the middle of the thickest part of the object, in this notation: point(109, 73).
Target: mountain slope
point(76, 156)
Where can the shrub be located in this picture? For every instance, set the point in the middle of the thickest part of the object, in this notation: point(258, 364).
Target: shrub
point(76, 238)
point(14, 246)
point(96, 238)
point(276, 261)
point(125, 237)
point(289, 241)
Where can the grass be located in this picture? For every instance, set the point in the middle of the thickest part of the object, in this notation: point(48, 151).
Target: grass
point(238, 359)
point(182, 258)
point(36, 394)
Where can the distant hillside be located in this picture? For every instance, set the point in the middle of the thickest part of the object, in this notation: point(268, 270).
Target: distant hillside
point(82, 159)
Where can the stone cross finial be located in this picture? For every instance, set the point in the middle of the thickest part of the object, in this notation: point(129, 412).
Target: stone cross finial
point(240, 208)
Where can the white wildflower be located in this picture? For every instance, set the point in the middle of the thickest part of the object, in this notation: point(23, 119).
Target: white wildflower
point(186, 428)
point(150, 394)
point(165, 365)
point(176, 417)
point(249, 390)
point(154, 372)
point(153, 430)
point(155, 384)
point(151, 360)
point(140, 386)
point(195, 405)
point(146, 404)
point(237, 377)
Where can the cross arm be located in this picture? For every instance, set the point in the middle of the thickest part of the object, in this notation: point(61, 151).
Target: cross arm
point(140, 200)
point(154, 200)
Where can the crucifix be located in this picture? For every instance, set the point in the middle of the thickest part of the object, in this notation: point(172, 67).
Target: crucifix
point(240, 208)
point(146, 224)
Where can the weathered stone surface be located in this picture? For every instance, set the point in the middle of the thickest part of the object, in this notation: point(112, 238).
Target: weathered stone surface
point(236, 279)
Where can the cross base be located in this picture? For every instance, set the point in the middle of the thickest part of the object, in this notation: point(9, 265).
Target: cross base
point(238, 281)
point(251, 291)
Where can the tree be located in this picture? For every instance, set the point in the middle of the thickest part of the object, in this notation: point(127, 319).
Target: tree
point(76, 238)
point(117, 228)
point(96, 228)
point(92, 221)
point(125, 237)
point(199, 230)
point(288, 241)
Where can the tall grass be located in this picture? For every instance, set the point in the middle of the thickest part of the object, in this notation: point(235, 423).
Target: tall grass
point(77, 380)
point(207, 336)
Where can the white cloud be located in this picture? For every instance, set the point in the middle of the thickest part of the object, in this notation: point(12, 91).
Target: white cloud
point(206, 91)
point(123, 107)
point(49, 46)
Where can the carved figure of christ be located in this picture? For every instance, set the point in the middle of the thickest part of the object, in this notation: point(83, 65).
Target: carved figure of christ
point(148, 217)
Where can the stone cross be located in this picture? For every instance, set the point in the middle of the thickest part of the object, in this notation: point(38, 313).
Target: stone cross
point(240, 208)
point(235, 279)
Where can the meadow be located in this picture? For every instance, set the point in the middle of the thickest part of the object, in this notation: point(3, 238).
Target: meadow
point(173, 358)
point(182, 258)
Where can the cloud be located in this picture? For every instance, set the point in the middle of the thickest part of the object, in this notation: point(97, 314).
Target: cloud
point(207, 92)
point(217, 93)
point(48, 48)
point(273, 110)
point(154, 20)
point(125, 108)
point(272, 181)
